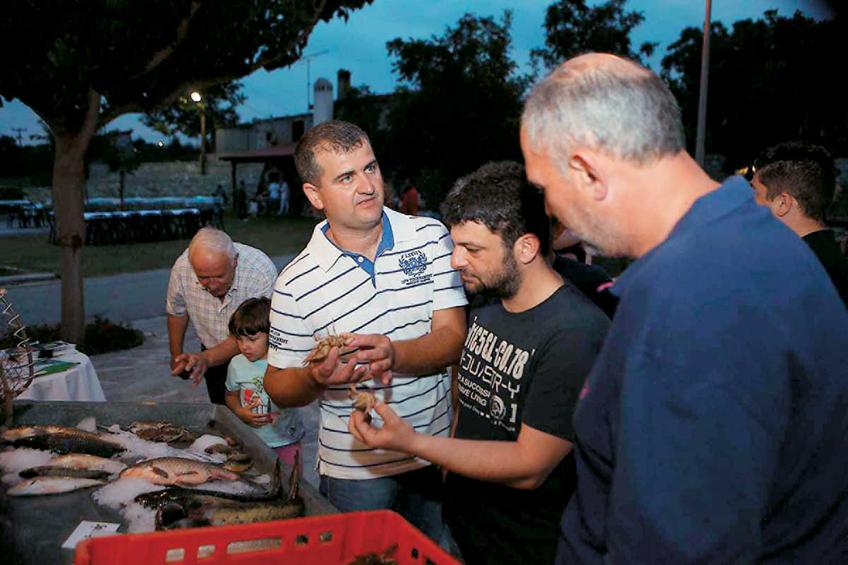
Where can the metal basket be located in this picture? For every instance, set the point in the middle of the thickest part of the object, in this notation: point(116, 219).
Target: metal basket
point(17, 364)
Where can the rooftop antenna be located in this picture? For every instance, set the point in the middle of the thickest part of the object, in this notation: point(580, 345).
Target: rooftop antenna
point(308, 59)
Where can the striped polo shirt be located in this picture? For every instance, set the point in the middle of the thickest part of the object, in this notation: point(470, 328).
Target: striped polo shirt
point(325, 290)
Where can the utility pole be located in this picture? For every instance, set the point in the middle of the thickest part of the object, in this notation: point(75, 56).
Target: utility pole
point(201, 105)
point(19, 132)
point(700, 139)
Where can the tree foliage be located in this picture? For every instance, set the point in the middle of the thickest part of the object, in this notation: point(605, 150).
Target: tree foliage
point(572, 27)
point(219, 102)
point(459, 105)
point(79, 65)
point(771, 80)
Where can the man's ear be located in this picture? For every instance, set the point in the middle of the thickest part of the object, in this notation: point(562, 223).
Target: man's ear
point(587, 169)
point(525, 248)
point(314, 195)
point(783, 204)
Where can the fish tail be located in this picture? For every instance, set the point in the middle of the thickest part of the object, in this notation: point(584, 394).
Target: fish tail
point(294, 478)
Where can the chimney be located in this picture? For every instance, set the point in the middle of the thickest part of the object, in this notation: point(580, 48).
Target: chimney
point(343, 83)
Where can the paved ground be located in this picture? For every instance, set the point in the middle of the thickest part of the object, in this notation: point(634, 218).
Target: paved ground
point(142, 373)
point(121, 298)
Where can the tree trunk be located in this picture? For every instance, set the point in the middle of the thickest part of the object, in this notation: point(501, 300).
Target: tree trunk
point(68, 181)
point(68, 205)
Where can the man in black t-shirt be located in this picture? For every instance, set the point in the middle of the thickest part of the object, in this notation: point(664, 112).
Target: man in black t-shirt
point(511, 470)
point(797, 181)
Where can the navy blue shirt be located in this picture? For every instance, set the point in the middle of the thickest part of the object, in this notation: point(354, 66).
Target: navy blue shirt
point(714, 425)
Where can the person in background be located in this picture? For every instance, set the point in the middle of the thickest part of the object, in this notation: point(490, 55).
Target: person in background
point(592, 280)
point(280, 429)
point(712, 426)
point(273, 204)
point(221, 194)
point(797, 181)
point(410, 200)
point(510, 462)
point(285, 194)
point(208, 282)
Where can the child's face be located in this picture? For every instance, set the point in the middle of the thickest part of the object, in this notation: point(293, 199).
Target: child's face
point(254, 347)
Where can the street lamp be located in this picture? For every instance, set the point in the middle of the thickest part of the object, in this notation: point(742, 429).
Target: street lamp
point(197, 98)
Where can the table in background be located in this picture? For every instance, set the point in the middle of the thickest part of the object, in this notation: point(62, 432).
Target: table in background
point(78, 383)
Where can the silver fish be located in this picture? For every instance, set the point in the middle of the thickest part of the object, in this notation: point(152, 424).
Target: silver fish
point(188, 510)
point(63, 440)
point(88, 462)
point(177, 471)
point(51, 485)
point(66, 472)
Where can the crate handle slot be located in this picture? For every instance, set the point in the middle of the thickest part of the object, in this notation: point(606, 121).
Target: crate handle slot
point(254, 545)
point(301, 539)
point(326, 537)
point(175, 554)
point(205, 551)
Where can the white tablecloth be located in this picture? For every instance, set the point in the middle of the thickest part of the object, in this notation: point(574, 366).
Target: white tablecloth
point(80, 382)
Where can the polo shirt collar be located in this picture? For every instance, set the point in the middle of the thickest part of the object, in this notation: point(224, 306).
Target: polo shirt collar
point(733, 192)
point(396, 227)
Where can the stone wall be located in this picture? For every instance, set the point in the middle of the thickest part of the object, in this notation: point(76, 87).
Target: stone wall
point(177, 178)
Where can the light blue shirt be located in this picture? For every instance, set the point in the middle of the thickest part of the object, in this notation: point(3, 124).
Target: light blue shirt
point(246, 378)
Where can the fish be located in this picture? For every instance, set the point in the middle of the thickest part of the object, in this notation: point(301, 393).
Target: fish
point(62, 440)
point(177, 471)
point(89, 462)
point(13, 434)
point(67, 472)
point(184, 509)
point(51, 485)
point(162, 432)
point(238, 462)
point(222, 449)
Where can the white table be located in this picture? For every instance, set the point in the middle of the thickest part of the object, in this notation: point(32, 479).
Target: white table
point(80, 382)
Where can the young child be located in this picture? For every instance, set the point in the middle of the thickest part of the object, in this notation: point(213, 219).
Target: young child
point(280, 429)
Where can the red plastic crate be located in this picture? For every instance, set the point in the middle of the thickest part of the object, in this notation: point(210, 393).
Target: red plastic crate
point(320, 540)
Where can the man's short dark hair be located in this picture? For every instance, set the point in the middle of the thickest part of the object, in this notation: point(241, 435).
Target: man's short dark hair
point(803, 170)
point(499, 196)
point(251, 317)
point(334, 135)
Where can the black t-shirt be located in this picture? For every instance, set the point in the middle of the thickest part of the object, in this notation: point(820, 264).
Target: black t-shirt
point(520, 368)
point(823, 243)
point(592, 281)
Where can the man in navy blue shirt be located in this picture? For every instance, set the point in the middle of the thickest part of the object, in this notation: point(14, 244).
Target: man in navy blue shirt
point(713, 425)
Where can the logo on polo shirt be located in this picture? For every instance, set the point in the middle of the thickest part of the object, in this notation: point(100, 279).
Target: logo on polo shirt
point(413, 263)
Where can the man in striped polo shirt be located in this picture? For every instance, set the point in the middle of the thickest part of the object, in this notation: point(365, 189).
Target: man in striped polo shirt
point(385, 281)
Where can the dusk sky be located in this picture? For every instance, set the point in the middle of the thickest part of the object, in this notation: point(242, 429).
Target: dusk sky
point(359, 45)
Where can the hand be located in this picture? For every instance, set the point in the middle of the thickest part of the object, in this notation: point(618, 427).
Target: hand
point(396, 434)
point(251, 419)
point(193, 362)
point(330, 372)
point(376, 350)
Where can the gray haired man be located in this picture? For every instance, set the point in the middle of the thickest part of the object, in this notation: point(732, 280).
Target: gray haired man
point(712, 425)
point(208, 282)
